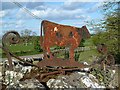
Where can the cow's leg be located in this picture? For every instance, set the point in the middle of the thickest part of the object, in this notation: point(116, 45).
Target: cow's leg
point(45, 54)
point(45, 51)
point(71, 55)
point(49, 53)
point(72, 48)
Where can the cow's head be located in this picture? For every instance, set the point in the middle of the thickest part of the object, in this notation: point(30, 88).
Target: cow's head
point(83, 32)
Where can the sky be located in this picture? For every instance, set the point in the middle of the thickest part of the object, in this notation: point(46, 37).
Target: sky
point(67, 12)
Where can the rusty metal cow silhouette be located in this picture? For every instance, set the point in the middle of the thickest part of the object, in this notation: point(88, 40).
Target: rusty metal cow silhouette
point(61, 35)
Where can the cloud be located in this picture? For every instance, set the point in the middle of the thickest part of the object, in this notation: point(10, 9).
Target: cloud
point(59, 14)
point(11, 5)
point(69, 10)
point(46, 12)
point(9, 13)
point(33, 5)
point(41, 7)
point(70, 5)
point(22, 14)
point(89, 7)
point(1, 23)
point(7, 5)
point(84, 21)
point(12, 24)
point(95, 7)
point(12, 11)
point(3, 14)
point(20, 24)
point(74, 13)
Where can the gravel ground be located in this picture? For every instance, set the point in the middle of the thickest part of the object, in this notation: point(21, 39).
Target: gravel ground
point(74, 80)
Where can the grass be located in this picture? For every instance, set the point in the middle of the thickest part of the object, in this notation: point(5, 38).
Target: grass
point(88, 42)
point(85, 56)
point(22, 53)
point(21, 47)
point(21, 50)
point(0, 50)
point(88, 56)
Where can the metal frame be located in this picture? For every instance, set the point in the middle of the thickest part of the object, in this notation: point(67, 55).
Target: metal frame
point(61, 63)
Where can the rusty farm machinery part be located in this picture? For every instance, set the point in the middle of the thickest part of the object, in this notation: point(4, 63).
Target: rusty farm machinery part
point(46, 62)
point(11, 37)
point(12, 40)
point(106, 58)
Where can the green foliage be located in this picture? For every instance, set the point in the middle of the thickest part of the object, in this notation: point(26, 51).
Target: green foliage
point(88, 55)
point(37, 45)
point(27, 36)
point(30, 48)
point(21, 47)
point(103, 76)
point(66, 55)
point(22, 53)
point(0, 50)
point(82, 43)
point(89, 42)
point(77, 54)
point(117, 58)
point(110, 34)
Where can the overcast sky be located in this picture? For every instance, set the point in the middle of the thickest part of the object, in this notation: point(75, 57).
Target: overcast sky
point(65, 12)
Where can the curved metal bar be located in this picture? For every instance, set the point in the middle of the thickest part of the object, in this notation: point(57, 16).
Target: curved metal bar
point(13, 40)
point(13, 55)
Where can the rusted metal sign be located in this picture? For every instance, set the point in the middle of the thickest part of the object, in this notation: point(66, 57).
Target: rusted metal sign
point(61, 35)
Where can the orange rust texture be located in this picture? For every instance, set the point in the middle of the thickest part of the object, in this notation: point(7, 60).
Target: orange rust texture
point(61, 35)
point(102, 48)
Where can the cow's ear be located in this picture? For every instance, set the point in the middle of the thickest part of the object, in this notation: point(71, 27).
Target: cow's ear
point(79, 32)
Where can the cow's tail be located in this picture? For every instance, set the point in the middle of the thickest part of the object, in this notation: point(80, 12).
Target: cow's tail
point(41, 36)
